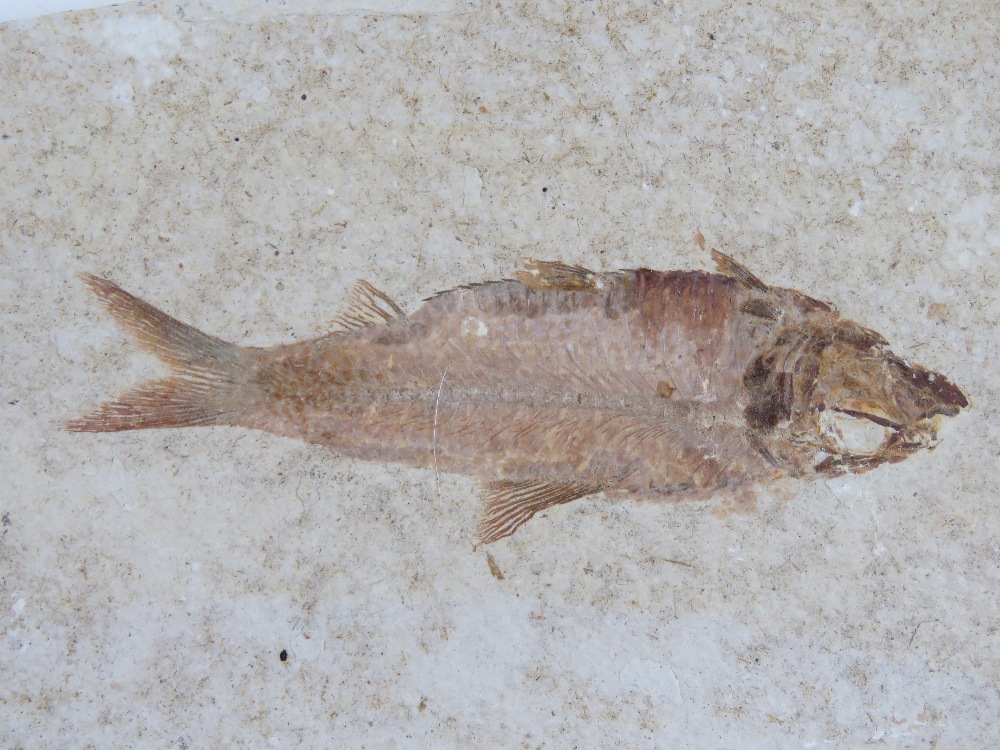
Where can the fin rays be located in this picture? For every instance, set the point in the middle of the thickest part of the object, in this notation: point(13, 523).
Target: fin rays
point(542, 274)
point(209, 375)
point(367, 306)
point(729, 267)
point(509, 505)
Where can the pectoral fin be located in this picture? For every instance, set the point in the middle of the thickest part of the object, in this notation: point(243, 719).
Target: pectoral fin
point(762, 308)
point(852, 333)
point(509, 505)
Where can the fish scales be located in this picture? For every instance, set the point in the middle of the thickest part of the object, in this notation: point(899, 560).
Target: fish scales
point(561, 383)
point(503, 380)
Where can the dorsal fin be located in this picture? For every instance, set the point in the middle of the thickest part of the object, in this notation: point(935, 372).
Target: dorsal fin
point(547, 274)
point(509, 505)
point(729, 267)
point(367, 306)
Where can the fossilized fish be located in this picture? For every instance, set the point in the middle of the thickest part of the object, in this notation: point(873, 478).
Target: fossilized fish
point(560, 383)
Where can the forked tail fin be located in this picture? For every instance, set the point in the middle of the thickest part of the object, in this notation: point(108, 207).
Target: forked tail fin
point(211, 379)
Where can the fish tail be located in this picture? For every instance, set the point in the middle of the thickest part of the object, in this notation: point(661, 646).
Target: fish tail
point(209, 383)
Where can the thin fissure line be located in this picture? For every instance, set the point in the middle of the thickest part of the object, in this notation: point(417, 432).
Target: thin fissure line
point(434, 431)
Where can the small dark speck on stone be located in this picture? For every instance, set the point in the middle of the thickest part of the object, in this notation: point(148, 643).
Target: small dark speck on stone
point(303, 97)
point(6, 519)
point(712, 37)
point(277, 253)
point(283, 655)
point(236, 139)
point(545, 190)
point(775, 146)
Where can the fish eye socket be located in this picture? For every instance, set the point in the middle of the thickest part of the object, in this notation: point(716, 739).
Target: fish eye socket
point(853, 433)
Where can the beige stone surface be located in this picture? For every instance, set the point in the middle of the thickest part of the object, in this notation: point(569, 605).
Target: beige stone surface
point(242, 172)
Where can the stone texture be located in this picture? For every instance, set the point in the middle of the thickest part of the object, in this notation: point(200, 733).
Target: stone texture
point(242, 174)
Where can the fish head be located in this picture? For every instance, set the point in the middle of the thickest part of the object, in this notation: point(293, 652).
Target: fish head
point(833, 399)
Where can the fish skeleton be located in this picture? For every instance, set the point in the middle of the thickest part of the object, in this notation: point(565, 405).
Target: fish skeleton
point(560, 383)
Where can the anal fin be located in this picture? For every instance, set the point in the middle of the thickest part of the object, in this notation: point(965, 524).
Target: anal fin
point(509, 505)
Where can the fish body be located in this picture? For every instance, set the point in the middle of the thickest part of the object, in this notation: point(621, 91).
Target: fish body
point(561, 383)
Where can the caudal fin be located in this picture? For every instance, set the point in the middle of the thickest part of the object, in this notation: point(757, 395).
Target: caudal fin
point(210, 380)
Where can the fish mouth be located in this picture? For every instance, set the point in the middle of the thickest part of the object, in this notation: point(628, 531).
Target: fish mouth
point(946, 410)
point(856, 440)
point(935, 392)
point(923, 436)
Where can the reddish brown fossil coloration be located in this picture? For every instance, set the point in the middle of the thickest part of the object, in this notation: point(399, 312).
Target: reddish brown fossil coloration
point(559, 384)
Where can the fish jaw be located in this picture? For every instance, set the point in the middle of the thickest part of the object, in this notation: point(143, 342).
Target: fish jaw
point(922, 394)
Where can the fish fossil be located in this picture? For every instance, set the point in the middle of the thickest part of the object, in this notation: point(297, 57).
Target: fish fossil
point(560, 383)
